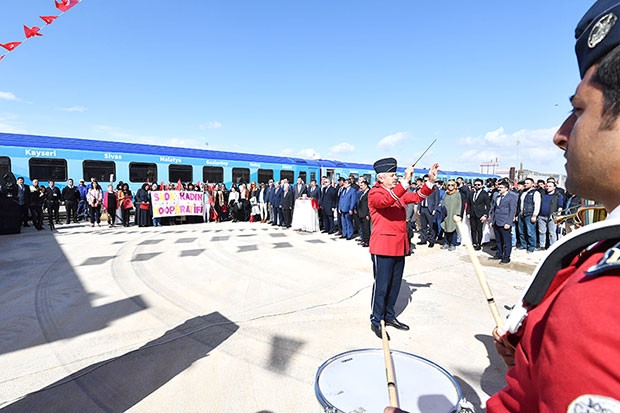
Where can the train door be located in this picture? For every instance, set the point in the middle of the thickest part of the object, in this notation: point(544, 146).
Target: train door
point(330, 174)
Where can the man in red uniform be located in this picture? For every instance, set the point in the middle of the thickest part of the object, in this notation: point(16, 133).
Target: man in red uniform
point(562, 342)
point(567, 355)
point(389, 242)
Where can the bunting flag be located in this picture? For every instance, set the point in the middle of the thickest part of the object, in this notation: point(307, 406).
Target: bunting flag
point(162, 186)
point(179, 185)
point(29, 32)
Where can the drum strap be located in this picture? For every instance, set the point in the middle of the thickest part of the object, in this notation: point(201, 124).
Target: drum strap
point(562, 257)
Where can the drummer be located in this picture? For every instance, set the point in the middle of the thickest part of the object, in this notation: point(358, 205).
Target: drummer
point(389, 242)
point(567, 354)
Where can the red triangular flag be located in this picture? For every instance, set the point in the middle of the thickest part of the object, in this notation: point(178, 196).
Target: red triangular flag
point(179, 185)
point(31, 31)
point(48, 19)
point(1, 57)
point(10, 46)
point(65, 5)
point(162, 186)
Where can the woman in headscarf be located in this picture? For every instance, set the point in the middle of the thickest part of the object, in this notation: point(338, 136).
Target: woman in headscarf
point(142, 206)
point(454, 207)
point(125, 200)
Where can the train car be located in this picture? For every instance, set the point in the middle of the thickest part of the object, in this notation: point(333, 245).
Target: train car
point(51, 158)
point(59, 159)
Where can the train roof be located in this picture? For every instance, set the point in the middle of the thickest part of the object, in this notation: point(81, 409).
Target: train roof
point(10, 139)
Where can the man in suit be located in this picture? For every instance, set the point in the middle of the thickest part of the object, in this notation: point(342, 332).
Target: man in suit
point(478, 211)
point(427, 208)
point(277, 204)
point(313, 190)
point(346, 206)
point(299, 189)
point(288, 201)
point(327, 201)
point(52, 198)
point(503, 212)
point(71, 197)
point(23, 200)
point(389, 243)
point(363, 212)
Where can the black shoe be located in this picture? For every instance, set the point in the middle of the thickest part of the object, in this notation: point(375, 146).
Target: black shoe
point(420, 243)
point(493, 248)
point(397, 324)
point(377, 331)
point(431, 244)
point(477, 247)
point(495, 258)
point(505, 261)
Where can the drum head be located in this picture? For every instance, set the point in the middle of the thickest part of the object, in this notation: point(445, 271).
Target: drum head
point(355, 381)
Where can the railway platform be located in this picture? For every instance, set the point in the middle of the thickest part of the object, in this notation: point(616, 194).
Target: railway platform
point(228, 317)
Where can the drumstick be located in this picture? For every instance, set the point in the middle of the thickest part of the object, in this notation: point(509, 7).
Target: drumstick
point(389, 368)
point(478, 268)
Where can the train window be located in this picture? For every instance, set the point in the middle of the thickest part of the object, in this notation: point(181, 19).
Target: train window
point(5, 165)
point(312, 176)
point(264, 175)
point(368, 178)
point(48, 169)
point(289, 175)
point(302, 175)
point(240, 175)
point(213, 174)
point(142, 172)
point(102, 171)
point(182, 172)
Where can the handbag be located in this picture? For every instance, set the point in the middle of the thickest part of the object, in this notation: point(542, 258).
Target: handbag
point(144, 205)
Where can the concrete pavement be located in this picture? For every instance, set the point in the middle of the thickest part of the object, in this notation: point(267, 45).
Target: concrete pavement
point(230, 317)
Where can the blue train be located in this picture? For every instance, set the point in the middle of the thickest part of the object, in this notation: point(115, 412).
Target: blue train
point(51, 158)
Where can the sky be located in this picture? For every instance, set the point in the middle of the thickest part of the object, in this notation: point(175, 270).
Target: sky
point(344, 80)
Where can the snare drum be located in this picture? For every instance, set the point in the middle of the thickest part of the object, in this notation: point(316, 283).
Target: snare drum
point(355, 381)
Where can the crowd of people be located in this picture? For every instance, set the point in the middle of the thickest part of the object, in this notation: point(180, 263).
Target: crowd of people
point(342, 207)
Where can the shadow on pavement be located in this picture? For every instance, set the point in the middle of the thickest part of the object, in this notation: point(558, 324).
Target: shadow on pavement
point(405, 295)
point(119, 383)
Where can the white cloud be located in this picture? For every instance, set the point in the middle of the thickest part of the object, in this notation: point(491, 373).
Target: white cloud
point(7, 125)
point(74, 109)
point(8, 96)
point(532, 148)
point(392, 141)
point(211, 125)
point(309, 153)
point(343, 147)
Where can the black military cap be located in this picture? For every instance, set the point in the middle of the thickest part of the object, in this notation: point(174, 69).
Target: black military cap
point(597, 33)
point(385, 165)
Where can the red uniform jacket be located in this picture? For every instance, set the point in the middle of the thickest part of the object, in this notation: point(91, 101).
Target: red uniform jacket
point(387, 214)
point(570, 344)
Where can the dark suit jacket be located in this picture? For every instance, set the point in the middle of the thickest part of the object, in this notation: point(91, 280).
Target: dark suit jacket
point(433, 199)
point(481, 206)
point(288, 199)
point(277, 196)
point(52, 194)
point(328, 197)
point(362, 205)
point(505, 212)
point(296, 192)
point(314, 192)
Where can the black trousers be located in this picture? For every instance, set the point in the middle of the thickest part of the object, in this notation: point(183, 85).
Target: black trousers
point(23, 214)
point(427, 232)
point(125, 214)
point(71, 207)
point(476, 230)
point(52, 211)
point(327, 216)
point(287, 217)
point(365, 226)
point(37, 216)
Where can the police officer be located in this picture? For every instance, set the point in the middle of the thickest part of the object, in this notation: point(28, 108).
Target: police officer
point(389, 241)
